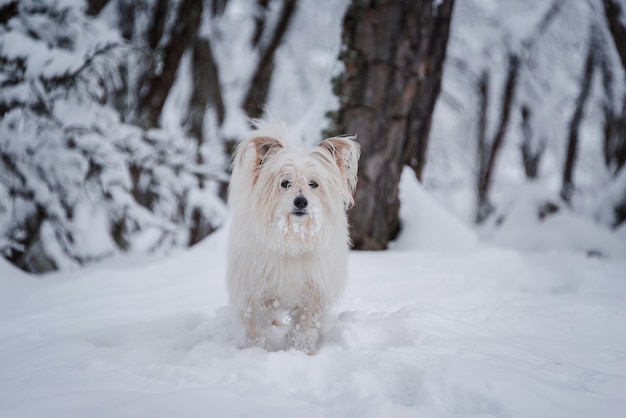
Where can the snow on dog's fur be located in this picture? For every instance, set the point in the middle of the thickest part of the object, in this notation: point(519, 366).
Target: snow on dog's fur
point(288, 242)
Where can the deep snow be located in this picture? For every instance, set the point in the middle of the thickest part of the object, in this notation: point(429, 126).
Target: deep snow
point(442, 325)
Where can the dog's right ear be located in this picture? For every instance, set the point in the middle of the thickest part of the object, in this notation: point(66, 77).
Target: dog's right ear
point(265, 147)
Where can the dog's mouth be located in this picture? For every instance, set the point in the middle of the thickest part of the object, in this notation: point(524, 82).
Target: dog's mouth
point(299, 212)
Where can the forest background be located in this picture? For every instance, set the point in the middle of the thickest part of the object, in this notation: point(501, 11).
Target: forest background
point(118, 118)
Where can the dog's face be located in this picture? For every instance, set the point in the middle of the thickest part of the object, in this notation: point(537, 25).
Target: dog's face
point(299, 210)
point(298, 196)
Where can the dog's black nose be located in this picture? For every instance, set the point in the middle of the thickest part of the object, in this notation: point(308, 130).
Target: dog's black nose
point(300, 202)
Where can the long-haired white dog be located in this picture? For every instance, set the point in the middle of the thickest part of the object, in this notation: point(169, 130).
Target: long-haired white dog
point(288, 243)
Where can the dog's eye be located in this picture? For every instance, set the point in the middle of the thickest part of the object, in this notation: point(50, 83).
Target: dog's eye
point(313, 184)
point(285, 184)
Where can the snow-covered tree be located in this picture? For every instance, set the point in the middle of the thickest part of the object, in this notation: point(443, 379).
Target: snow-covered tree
point(77, 182)
point(117, 119)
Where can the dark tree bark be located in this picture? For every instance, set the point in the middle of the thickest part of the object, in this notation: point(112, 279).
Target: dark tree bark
point(156, 86)
point(260, 20)
point(488, 153)
point(206, 93)
point(613, 12)
point(94, 7)
point(531, 154)
point(126, 20)
point(155, 33)
point(615, 120)
point(567, 187)
point(259, 87)
point(532, 147)
point(206, 97)
point(393, 56)
point(483, 147)
point(431, 53)
point(217, 7)
point(615, 138)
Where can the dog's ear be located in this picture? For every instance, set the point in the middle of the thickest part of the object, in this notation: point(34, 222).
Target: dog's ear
point(265, 147)
point(346, 151)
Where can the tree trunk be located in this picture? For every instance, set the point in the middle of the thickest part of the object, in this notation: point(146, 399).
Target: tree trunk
point(531, 149)
point(488, 153)
point(483, 209)
point(393, 55)
point(431, 53)
point(615, 120)
point(613, 12)
point(205, 97)
point(259, 87)
point(567, 187)
point(206, 93)
point(156, 86)
point(94, 7)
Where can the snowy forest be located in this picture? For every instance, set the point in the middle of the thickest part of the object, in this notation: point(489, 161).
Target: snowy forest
point(489, 224)
point(118, 118)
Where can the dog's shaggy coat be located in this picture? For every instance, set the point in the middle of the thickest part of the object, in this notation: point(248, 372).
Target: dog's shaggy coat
point(288, 242)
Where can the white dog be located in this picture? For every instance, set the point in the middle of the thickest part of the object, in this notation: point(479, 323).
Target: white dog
point(288, 243)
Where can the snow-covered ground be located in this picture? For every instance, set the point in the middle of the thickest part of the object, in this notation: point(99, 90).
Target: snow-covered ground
point(442, 325)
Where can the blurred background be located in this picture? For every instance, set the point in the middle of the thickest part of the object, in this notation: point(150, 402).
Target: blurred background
point(118, 117)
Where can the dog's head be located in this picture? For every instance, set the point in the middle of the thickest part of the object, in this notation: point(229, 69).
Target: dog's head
point(297, 196)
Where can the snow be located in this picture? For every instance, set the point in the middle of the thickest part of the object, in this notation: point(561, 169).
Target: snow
point(564, 230)
point(443, 325)
point(428, 226)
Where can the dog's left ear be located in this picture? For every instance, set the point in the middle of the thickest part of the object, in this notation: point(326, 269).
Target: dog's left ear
point(346, 152)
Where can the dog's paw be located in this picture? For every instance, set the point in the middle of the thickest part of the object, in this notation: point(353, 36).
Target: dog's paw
point(304, 340)
point(257, 341)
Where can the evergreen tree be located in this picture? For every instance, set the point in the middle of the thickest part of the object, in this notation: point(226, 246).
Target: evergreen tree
point(77, 182)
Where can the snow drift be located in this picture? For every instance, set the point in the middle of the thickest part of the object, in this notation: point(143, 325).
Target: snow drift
point(422, 331)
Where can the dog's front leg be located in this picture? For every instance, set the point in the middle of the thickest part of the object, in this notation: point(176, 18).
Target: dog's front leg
point(251, 319)
point(306, 325)
point(305, 330)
